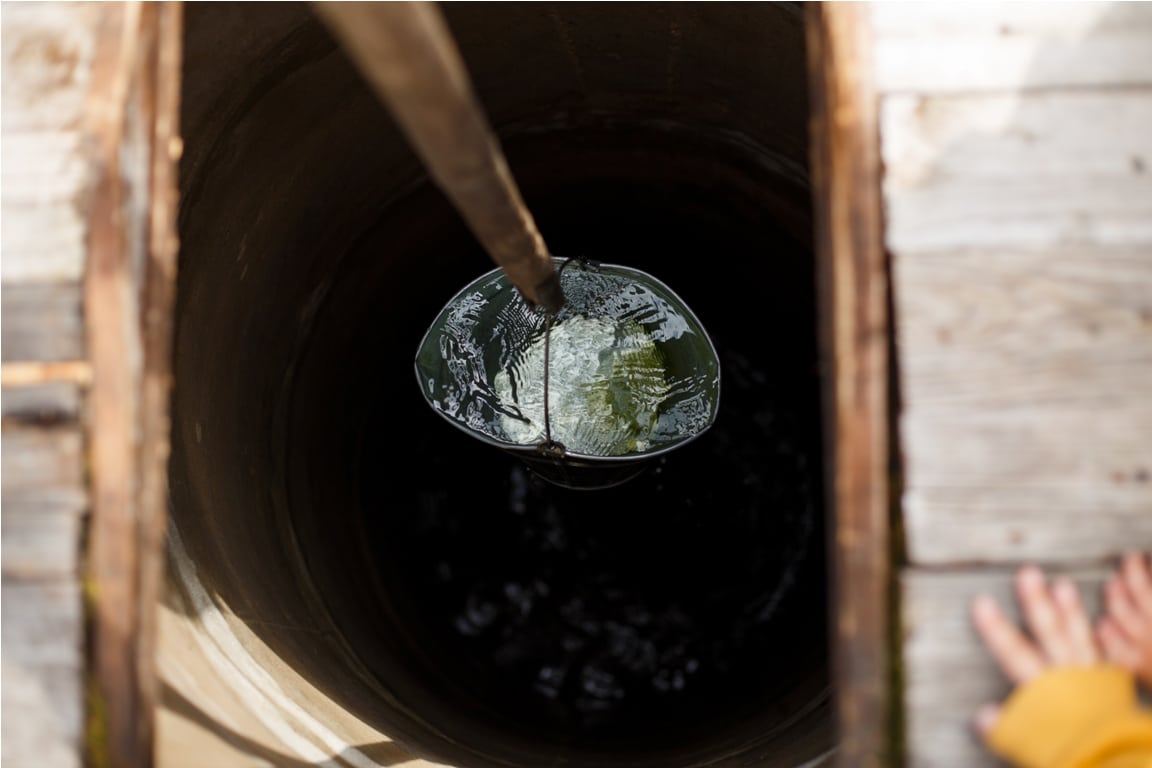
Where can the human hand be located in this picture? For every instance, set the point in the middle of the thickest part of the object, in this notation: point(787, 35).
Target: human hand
point(1061, 634)
point(1125, 631)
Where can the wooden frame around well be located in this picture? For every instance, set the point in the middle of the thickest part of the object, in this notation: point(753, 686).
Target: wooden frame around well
point(133, 119)
point(846, 166)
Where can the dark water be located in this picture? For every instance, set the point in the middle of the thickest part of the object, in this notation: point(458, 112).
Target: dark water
point(589, 609)
point(690, 595)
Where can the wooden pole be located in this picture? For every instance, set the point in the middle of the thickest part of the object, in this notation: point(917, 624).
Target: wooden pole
point(854, 314)
point(406, 52)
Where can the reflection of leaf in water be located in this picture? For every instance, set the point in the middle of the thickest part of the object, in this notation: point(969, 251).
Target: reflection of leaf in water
point(607, 383)
point(625, 397)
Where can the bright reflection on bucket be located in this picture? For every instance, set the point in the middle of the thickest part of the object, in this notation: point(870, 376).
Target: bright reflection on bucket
point(632, 372)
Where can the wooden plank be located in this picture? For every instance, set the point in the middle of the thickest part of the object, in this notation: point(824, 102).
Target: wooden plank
point(51, 46)
point(43, 497)
point(1096, 133)
point(44, 161)
point(948, 674)
point(162, 85)
point(964, 47)
point(42, 694)
point(41, 722)
point(1034, 170)
point(41, 321)
point(43, 167)
point(854, 330)
point(989, 18)
point(128, 299)
point(41, 622)
point(1011, 328)
point(53, 402)
point(1027, 483)
point(38, 460)
point(42, 243)
point(45, 172)
point(40, 538)
point(113, 347)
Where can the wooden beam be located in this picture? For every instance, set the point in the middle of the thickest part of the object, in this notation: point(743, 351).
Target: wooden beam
point(129, 286)
point(162, 84)
point(854, 310)
point(119, 728)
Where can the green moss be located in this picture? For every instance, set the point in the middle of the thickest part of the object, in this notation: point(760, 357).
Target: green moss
point(95, 706)
point(96, 724)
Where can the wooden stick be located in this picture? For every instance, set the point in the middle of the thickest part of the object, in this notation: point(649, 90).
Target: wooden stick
point(32, 374)
point(119, 722)
point(407, 54)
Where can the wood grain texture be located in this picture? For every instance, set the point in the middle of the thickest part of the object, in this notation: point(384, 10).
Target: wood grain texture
point(1010, 328)
point(854, 319)
point(1032, 170)
point(45, 171)
point(40, 711)
point(41, 460)
point(40, 538)
point(43, 496)
point(38, 622)
point(41, 321)
point(42, 243)
point(160, 117)
point(46, 175)
point(964, 47)
point(1027, 483)
point(948, 675)
point(129, 289)
point(43, 662)
point(53, 402)
point(51, 46)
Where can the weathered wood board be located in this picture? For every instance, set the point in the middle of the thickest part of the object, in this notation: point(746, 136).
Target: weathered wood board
point(1019, 222)
point(948, 674)
point(1018, 329)
point(41, 321)
point(854, 317)
point(54, 402)
point(43, 499)
point(47, 51)
point(1025, 425)
point(1038, 170)
point(1018, 196)
point(978, 46)
point(43, 701)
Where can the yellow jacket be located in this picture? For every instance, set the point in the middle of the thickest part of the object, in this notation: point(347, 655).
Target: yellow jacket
point(1075, 717)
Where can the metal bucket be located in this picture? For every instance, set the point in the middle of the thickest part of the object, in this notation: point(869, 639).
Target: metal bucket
point(643, 376)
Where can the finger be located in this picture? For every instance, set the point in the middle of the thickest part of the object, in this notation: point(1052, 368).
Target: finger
point(986, 719)
point(1041, 615)
point(1018, 658)
point(1081, 644)
point(1138, 580)
point(1116, 646)
point(1120, 608)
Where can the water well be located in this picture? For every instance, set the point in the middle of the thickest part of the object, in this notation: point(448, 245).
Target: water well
point(427, 582)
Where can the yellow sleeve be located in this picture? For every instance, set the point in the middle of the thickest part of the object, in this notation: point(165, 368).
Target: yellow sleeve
point(1075, 717)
